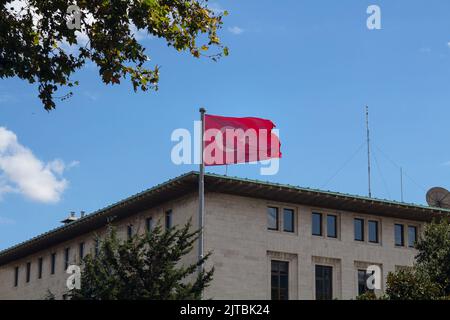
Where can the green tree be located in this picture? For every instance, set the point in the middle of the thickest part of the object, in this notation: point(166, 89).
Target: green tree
point(411, 284)
point(434, 253)
point(36, 44)
point(430, 277)
point(146, 266)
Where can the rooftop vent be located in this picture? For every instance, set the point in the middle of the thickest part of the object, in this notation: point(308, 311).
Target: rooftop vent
point(70, 218)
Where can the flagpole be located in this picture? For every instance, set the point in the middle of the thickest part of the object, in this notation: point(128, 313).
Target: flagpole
point(201, 192)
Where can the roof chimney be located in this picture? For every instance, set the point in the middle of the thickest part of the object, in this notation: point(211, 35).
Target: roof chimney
point(70, 218)
point(82, 214)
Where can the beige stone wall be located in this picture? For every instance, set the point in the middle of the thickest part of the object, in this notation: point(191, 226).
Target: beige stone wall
point(183, 209)
point(236, 231)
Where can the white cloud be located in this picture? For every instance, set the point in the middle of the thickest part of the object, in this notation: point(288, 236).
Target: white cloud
point(15, 7)
point(448, 44)
point(57, 166)
point(216, 8)
point(236, 30)
point(139, 34)
point(73, 164)
point(21, 172)
point(6, 221)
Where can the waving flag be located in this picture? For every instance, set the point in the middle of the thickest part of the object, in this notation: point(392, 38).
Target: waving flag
point(229, 140)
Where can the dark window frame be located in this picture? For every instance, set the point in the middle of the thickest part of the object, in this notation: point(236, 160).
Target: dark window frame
point(363, 236)
point(323, 277)
point(377, 232)
point(81, 250)
point(415, 236)
point(169, 219)
point(280, 273)
point(53, 263)
point(149, 224)
point(362, 282)
point(96, 247)
point(317, 214)
point(28, 272)
point(335, 218)
point(16, 276)
point(129, 231)
point(40, 264)
point(277, 219)
point(402, 235)
point(292, 220)
point(66, 257)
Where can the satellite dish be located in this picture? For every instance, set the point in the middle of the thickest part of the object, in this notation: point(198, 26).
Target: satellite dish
point(438, 197)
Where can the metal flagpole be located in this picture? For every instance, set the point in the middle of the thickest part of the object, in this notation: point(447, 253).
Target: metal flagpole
point(201, 192)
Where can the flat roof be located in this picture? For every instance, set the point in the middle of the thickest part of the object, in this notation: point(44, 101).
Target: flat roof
point(188, 183)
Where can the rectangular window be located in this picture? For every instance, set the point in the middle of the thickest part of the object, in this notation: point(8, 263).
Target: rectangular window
point(332, 226)
point(28, 275)
point(97, 247)
point(373, 231)
point(359, 229)
point(16, 276)
point(40, 261)
point(272, 218)
point(81, 251)
point(362, 282)
point(66, 258)
point(53, 263)
point(149, 224)
point(280, 280)
point(324, 282)
point(316, 224)
point(399, 235)
point(412, 236)
point(288, 220)
point(129, 231)
point(168, 219)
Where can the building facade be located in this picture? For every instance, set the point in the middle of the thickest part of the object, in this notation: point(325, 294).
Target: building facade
point(268, 241)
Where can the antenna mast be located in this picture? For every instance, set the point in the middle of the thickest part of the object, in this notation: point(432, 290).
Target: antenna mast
point(368, 151)
point(401, 182)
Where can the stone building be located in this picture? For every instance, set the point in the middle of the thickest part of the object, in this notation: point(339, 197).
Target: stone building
point(269, 241)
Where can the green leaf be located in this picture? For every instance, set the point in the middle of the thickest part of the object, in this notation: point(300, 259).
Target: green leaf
point(34, 55)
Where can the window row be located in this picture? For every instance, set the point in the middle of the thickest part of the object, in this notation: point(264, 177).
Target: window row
point(52, 266)
point(81, 252)
point(327, 225)
point(323, 280)
point(168, 223)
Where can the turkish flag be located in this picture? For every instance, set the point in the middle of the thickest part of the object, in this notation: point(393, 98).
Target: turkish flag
point(229, 140)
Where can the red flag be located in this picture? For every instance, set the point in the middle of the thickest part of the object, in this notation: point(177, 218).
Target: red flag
point(237, 140)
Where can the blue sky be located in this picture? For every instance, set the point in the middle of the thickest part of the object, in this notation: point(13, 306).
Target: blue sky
point(309, 66)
